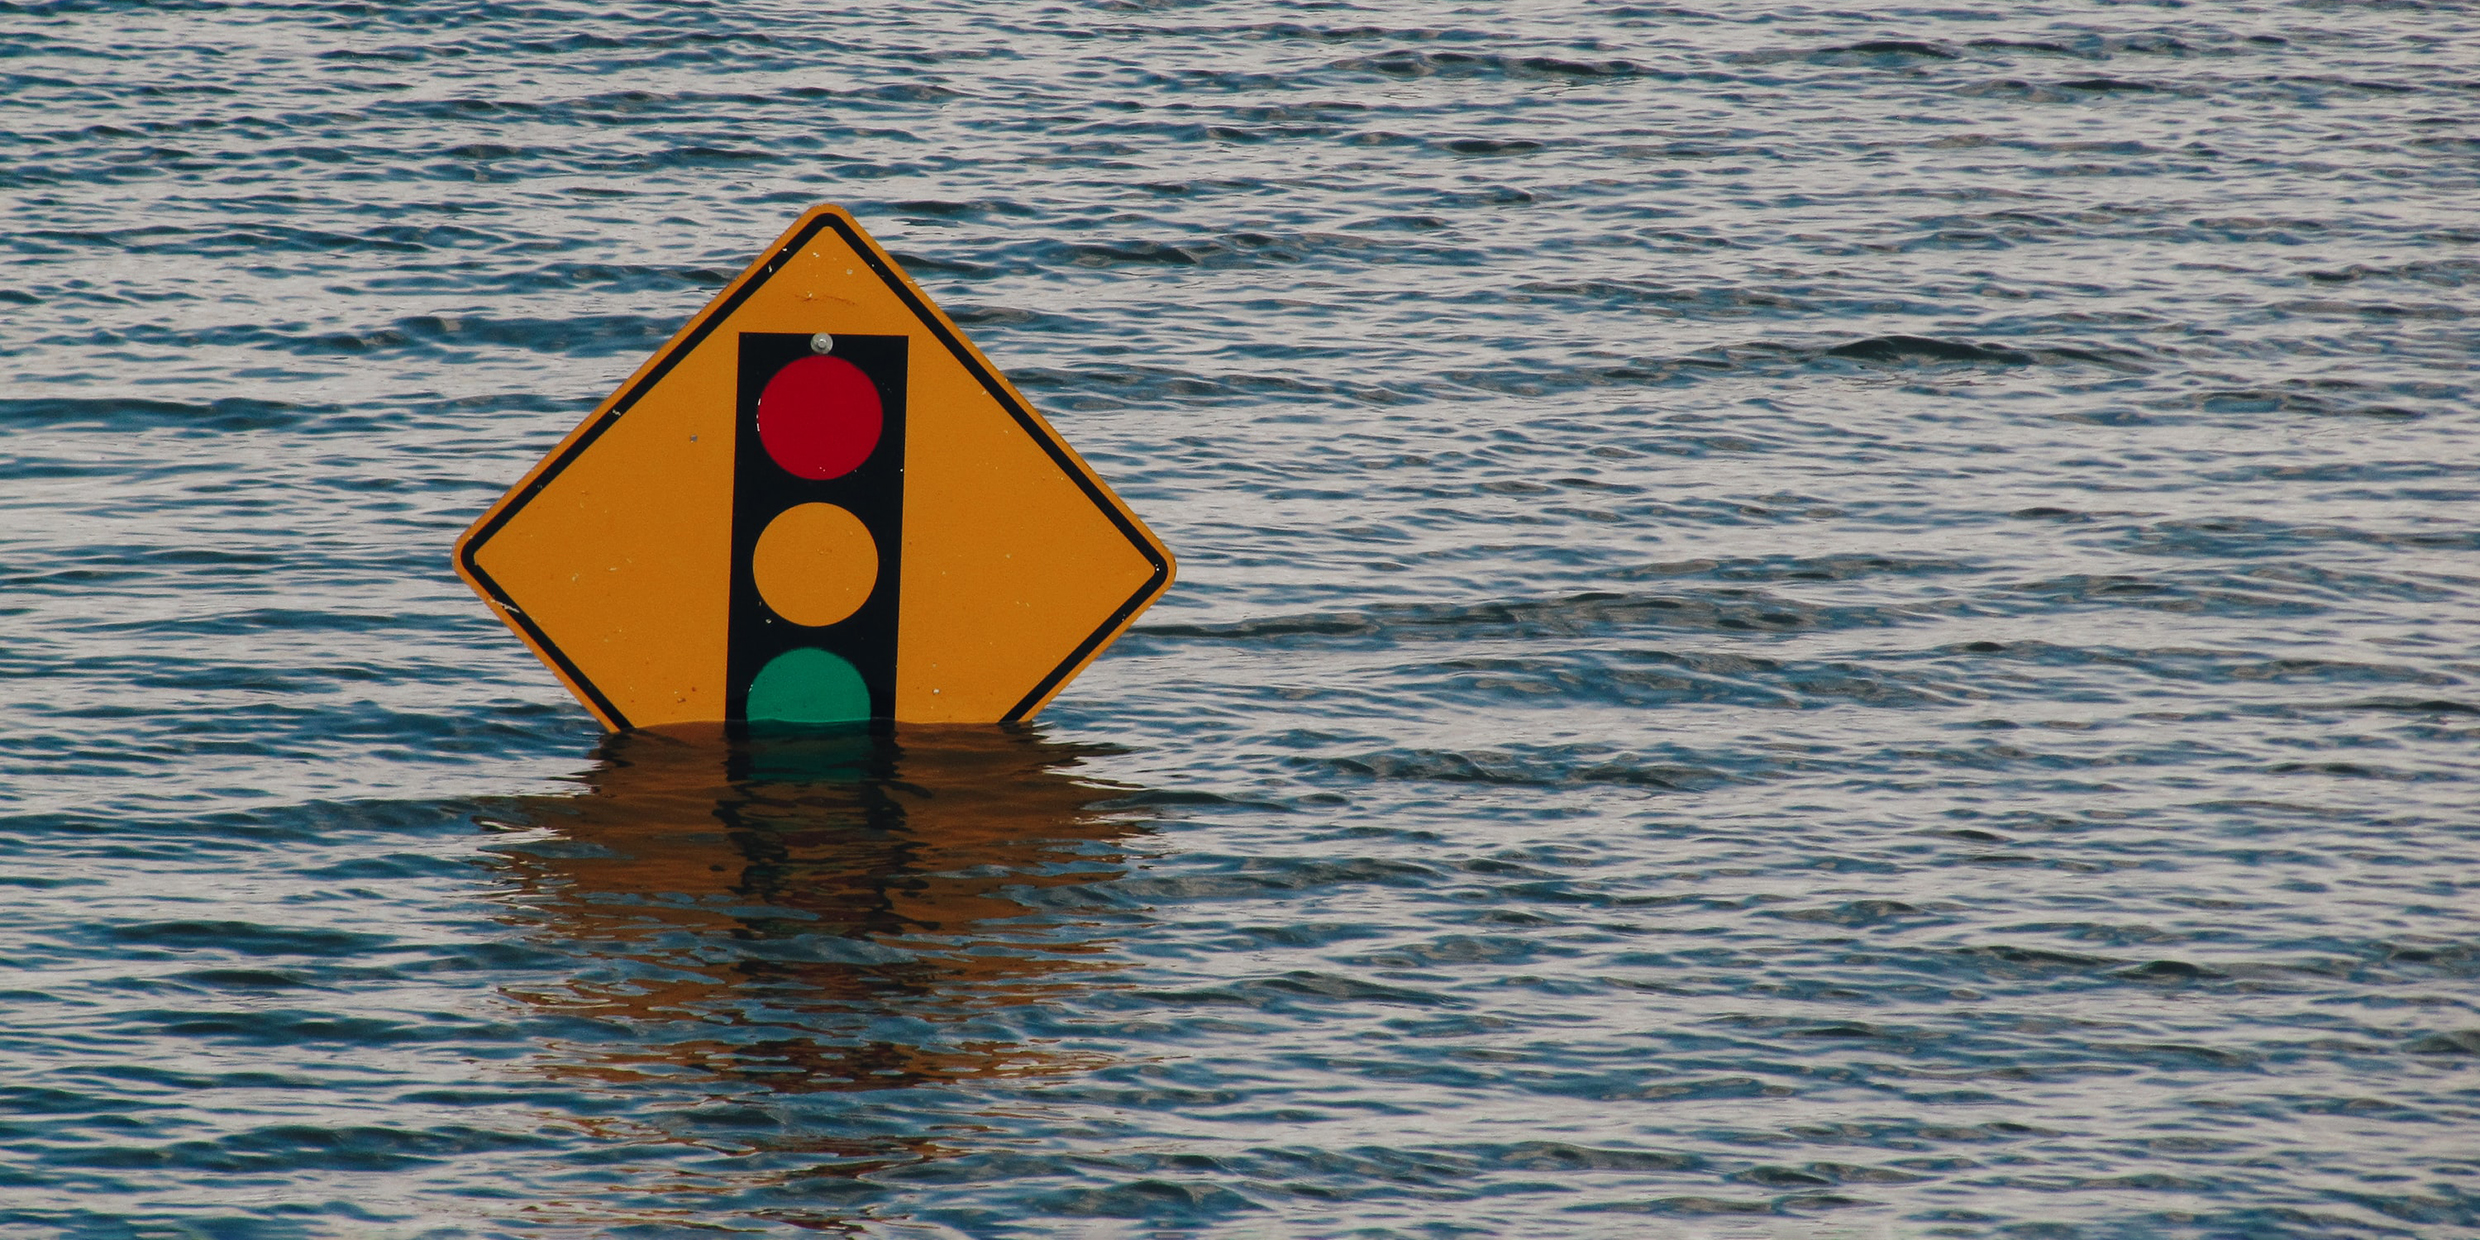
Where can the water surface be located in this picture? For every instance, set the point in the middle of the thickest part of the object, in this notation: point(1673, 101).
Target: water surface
point(1792, 623)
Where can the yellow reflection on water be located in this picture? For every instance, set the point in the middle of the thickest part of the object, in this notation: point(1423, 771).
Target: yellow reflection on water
point(805, 914)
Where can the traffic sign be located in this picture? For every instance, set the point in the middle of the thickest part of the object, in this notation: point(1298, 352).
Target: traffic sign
point(819, 503)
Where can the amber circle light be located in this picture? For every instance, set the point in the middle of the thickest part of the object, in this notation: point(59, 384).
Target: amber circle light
point(815, 564)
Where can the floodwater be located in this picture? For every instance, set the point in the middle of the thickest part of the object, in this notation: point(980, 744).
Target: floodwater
point(1792, 623)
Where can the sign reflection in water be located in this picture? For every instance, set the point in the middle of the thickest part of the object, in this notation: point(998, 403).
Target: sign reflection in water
point(763, 931)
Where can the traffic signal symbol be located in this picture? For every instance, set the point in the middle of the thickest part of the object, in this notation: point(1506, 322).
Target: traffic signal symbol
point(817, 503)
point(817, 528)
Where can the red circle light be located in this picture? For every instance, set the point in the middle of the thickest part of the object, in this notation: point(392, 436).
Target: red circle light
point(819, 417)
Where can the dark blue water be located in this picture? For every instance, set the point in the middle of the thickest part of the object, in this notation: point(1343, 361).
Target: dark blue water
point(1793, 623)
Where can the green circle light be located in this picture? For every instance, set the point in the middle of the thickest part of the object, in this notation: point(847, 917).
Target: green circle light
point(808, 686)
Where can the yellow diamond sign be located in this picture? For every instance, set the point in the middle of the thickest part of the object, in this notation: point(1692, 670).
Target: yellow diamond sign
point(818, 503)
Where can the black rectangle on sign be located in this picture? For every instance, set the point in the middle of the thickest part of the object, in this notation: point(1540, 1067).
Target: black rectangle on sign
point(787, 448)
